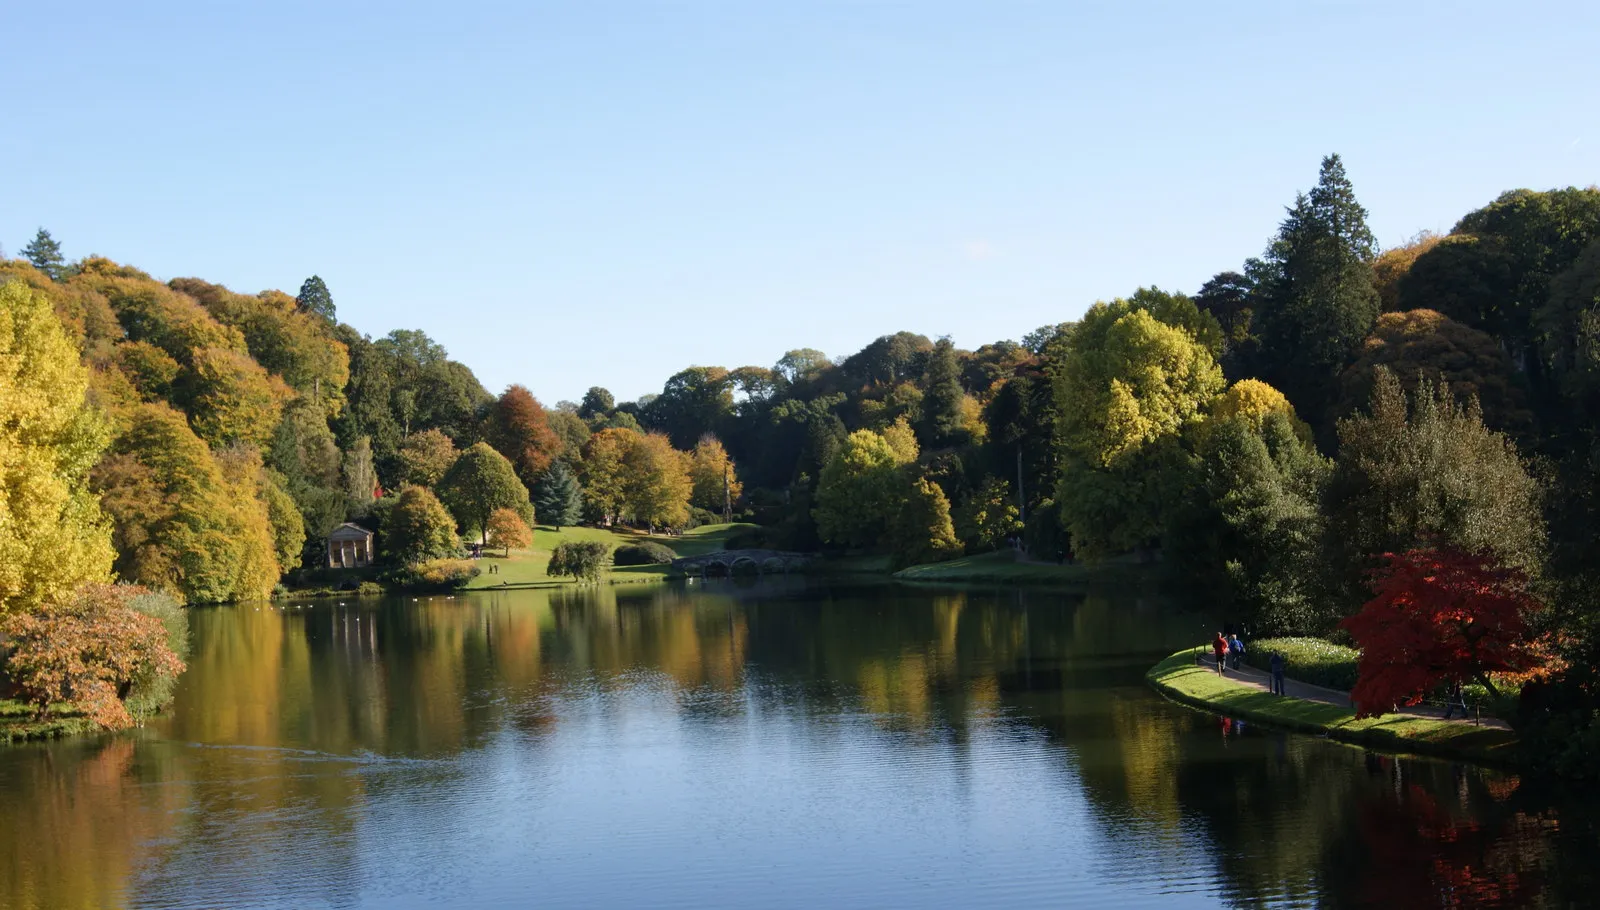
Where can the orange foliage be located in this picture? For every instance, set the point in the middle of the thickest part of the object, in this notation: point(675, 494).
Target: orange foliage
point(88, 651)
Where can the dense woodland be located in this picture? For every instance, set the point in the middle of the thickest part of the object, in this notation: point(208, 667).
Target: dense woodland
point(1279, 439)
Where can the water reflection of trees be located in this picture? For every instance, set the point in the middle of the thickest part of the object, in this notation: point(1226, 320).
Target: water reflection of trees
point(293, 693)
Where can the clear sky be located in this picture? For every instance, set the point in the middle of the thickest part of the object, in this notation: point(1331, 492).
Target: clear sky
point(591, 193)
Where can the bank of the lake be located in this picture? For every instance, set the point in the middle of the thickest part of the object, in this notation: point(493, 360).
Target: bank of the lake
point(20, 723)
point(1181, 679)
point(1006, 567)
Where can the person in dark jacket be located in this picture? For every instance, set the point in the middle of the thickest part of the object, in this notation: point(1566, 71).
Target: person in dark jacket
point(1276, 664)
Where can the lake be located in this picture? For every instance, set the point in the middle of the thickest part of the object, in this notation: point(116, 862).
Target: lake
point(746, 743)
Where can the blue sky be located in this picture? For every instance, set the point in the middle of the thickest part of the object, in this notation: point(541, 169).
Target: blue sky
point(604, 193)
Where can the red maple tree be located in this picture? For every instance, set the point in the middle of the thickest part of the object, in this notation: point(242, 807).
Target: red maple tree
point(1439, 615)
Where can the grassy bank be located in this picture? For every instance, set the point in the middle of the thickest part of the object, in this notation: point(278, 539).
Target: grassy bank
point(17, 723)
point(1002, 567)
point(1180, 679)
point(526, 568)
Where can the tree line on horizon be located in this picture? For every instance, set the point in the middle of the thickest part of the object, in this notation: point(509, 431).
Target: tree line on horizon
point(1268, 438)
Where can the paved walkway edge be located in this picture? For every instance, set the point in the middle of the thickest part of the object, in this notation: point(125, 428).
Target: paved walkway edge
point(1485, 747)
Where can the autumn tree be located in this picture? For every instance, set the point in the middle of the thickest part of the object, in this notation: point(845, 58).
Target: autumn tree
point(1130, 385)
point(604, 472)
point(507, 530)
point(53, 535)
point(558, 499)
point(519, 429)
point(45, 254)
point(1430, 345)
point(88, 650)
point(426, 456)
point(1438, 615)
point(657, 482)
point(1393, 264)
point(230, 398)
point(715, 482)
point(417, 528)
point(481, 481)
point(1315, 296)
point(920, 530)
point(862, 486)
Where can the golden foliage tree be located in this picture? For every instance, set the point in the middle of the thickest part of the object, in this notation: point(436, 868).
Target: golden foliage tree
point(426, 456)
point(53, 535)
point(509, 531)
point(657, 482)
point(180, 524)
point(716, 482)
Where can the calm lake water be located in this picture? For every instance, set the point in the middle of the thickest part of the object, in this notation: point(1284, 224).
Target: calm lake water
point(746, 744)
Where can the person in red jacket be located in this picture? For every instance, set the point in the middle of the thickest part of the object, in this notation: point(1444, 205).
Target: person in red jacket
point(1219, 645)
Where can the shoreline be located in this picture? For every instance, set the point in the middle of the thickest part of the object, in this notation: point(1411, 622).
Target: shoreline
point(1180, 679)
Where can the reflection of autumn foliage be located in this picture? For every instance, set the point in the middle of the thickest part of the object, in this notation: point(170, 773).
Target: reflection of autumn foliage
point(1471, 863)
point(1438, 615)
point(88, 651)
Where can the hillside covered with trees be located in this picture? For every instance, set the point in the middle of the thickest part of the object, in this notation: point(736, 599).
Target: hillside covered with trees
point(1271, 439)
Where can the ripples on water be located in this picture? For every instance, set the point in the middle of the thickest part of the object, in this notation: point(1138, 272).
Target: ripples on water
point(767, 746)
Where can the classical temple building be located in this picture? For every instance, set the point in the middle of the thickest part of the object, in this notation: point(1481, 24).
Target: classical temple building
point(349, 547)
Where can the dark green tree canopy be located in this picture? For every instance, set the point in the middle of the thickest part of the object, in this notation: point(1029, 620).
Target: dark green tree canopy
point(314, 298)
point(45, 254)
point(1315, 296)
point(558, 499)
point(481, 481)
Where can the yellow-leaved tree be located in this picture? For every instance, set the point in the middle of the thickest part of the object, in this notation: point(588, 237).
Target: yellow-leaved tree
point(53, 536)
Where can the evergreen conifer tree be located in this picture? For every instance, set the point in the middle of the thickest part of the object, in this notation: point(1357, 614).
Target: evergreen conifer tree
point(45, 254)
point(1315, 296)
point(942, 402)
point(314, 298)
point(558, 499)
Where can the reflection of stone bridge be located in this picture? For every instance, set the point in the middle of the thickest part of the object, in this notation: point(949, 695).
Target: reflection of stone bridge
point(727, 562)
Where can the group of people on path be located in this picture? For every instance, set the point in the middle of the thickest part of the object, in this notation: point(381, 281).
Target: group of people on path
point(1229, 650)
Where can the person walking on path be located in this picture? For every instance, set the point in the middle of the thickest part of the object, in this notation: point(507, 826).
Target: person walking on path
point(1235, 650)
point(1275, 663)
point(1220, 646)
point(1456, 699)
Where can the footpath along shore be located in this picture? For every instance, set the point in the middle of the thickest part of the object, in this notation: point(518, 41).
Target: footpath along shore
point(1246, 694)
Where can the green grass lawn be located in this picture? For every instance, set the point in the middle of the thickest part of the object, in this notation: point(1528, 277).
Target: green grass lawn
point(1001, 567)
point(17, 723)
point(1181, 679)
point(527, 567)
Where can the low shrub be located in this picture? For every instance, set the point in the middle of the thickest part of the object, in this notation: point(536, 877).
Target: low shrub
point(437, 575)
point(648, 553)
point(93, 651)
point(1310, 660)
point(581, 559)
point(153, 690)
point(373, 589)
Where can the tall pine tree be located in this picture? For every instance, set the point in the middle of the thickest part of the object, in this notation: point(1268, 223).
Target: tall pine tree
point(45, 254)
point(558, 500)
point(314, 298)
point(942, 401)
point(1315, 298)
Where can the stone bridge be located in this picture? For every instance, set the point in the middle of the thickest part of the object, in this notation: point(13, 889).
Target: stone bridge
point(726, 562)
